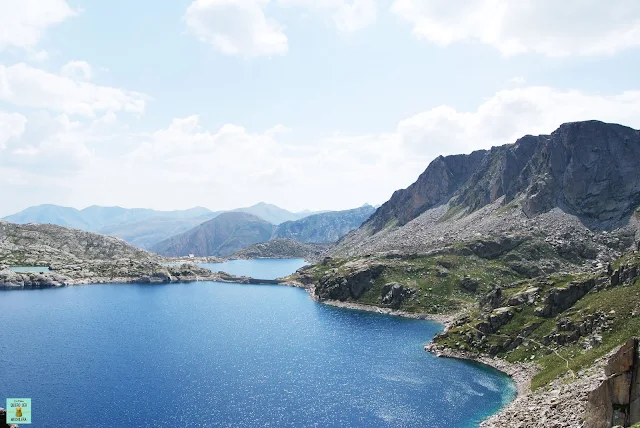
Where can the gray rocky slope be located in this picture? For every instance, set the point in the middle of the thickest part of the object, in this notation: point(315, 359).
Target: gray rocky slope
point(221, 236)
point(325, 227)
point(576, 188)
point(78, 257)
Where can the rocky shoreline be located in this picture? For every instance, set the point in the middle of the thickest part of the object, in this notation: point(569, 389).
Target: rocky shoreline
point(561, 404)
point(10, 280)
point(520, 373)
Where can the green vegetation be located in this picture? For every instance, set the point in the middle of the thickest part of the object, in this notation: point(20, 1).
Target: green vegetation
point(624, 301)
point(526, 336)
point(437, 279)
point(563, 321)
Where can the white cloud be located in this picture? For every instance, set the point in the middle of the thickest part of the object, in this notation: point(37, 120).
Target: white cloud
point(549, 27)
point(278, 129)
point(78, 70)
point(38, 56)
point(517, 80)
point(11, 125)
point(186, 164)
point(23, 22)
point(236, 27)
point(510, 114)
point(26, 86)
point(348, 15)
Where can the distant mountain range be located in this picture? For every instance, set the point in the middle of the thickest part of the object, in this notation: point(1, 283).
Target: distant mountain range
point(230, 232)
point(141, 227)
point(272, 213)
point(95, 217)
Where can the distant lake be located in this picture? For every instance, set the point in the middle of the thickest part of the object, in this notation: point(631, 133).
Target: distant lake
point(214, 354)
point(26, 269)
point(257, 268)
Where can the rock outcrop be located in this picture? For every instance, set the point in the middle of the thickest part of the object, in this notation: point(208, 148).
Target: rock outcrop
point(393, 294)
point(562, 298)
point(353, 281)
point(616, 402)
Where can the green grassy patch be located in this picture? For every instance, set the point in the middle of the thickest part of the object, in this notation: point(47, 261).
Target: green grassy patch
point(438, 281)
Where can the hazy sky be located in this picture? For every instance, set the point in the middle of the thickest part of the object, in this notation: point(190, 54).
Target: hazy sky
point(319, 104)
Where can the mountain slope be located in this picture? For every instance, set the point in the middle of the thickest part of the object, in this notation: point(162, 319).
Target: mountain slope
point(221, 236)
point(148, 232)
point(568, 187)
point(324, 228)
point(271, 213)
point(281, 248)
point(43, 244)
point(54, 214)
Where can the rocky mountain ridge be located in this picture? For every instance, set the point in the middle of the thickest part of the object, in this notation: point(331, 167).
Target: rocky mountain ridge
point(580, 180)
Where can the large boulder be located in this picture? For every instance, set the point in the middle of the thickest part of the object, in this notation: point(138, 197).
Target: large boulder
point(562, 298)
point(393, 294)
point(615, 402)
point(352, 281)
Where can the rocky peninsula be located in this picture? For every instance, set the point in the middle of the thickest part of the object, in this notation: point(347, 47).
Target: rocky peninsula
point(75, 257)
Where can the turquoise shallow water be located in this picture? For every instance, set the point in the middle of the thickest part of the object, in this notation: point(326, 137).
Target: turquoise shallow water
point(213, 354)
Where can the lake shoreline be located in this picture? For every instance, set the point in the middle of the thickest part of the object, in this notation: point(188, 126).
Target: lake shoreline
point(520, 373)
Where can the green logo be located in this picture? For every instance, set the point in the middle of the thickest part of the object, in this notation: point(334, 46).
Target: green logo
point(18, 410)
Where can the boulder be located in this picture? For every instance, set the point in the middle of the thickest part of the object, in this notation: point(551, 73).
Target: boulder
point(623, 360)
point(615, 401)
point(562, 298)
point(499, 317)
point(393, 294)
point(469, 284)
point(357, 279)
point(493, 299)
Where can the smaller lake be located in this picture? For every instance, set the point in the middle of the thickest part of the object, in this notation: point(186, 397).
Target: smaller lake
point(257, 268)
point(27, 269)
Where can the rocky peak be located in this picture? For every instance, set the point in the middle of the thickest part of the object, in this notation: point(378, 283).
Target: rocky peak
point(588, 169)
point(435, 186)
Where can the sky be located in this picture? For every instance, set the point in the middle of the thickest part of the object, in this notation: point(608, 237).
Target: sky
point(306, 104)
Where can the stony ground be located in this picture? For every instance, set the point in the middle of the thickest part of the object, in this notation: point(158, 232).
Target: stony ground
point(440, 227)
point(562, 403)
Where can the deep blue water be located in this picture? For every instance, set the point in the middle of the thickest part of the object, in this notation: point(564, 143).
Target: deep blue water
point(212, 354)
point(257, 268)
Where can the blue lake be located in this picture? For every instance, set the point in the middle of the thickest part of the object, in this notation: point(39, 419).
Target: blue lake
point(257, 268)
point(213, 354)
point(25, 269)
